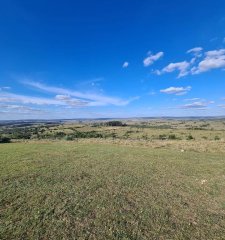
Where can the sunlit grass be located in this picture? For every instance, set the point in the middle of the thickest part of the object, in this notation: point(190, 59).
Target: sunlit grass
point(75, 190)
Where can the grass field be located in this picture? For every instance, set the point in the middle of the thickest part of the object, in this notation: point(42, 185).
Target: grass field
point(96, 190)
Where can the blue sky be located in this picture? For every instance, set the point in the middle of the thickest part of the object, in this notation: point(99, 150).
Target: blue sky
point(118, 58)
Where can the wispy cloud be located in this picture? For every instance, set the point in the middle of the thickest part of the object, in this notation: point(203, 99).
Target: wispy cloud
point(195, 105)
point(90, 98)
point(17, 98)
point(213, 39)
point(72, 101)
point(90, 83)
point(19, 109)
point(191, 99)
point(176, 90)
point(152, 58)
point(125, 64)
point(199, 105)
point(222, 106)
point(5, 88)
point(195, 51)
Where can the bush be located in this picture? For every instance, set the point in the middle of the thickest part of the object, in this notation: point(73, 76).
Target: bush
point(5, 140)
point(162, 137)
point(69, 138)
point(126, 134)
point(115, 124)
point(91, 134)
point(172, 137)
point(57, 135)
point(190, 137)
point(145, 136)
point(21, 134)
point(217, 138)
point(112, 135)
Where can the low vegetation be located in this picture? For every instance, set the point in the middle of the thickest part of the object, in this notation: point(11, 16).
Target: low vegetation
point(66, 190)
point(148, 130)
point(96, 181)
point(5, 140)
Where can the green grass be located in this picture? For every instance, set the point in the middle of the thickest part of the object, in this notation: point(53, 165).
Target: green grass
point(73, 190)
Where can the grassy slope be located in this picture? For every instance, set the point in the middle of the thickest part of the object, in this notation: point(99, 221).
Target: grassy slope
point(68, 190)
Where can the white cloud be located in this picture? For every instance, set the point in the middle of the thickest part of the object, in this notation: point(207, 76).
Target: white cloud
point(125, 64)
point(195, 105)
point(152, 58)
point(215, 53)
point(62, 97)
point(60, 100)
point(16, 98)
point(19, 108)
point(201, 62)
point(193, 60)
point(200, 105)
point(91, 99)
point(213, 60)
point(195, 50)
point(192, 99)
point(72, 101)
point(176, 90)
point(157, 72)
point(182, 67)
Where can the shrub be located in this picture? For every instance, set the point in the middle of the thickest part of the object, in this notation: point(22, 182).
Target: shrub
point(190, 137)
point(5, 140)
point(126, 134)
point(112, 135)
point(69, 138)
point(145, 136)
point(162, 137)
point(115, 124)
point(21, 134)
point(217, 138)
point(58, 135)
point(172, 137)
point(91, 134)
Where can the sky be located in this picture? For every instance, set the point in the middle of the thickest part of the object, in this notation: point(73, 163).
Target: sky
point(111, 59)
